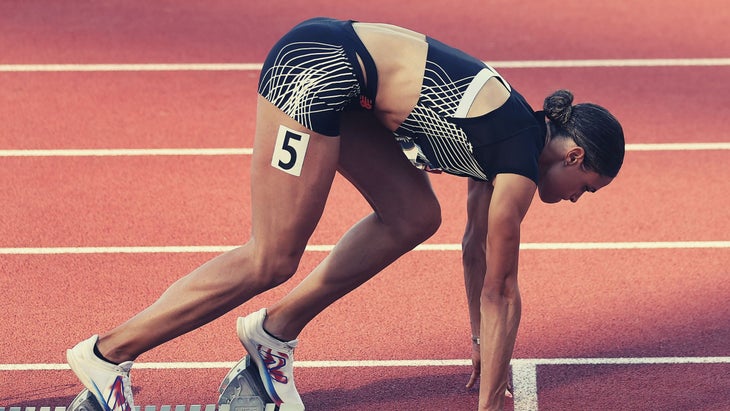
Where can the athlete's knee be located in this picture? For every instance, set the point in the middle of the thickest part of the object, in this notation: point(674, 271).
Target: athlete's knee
point(274, 266)
point(277, 269)
point(430, 217)
point(420, 220)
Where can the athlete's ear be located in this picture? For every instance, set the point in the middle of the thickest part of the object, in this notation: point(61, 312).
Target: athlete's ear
point(575, 156)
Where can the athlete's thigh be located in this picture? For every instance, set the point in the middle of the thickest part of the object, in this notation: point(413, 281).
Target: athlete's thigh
point(373, 161)
point(291, 175)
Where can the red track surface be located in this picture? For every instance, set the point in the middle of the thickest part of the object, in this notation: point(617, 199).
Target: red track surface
point(577, 304)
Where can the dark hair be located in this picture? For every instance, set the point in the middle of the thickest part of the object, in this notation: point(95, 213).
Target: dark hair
point(592, 128)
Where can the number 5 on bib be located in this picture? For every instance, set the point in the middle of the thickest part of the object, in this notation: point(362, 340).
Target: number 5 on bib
point(289, 151)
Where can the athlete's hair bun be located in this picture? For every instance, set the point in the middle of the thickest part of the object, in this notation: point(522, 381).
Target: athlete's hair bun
point(591, 127)
point(558, 107)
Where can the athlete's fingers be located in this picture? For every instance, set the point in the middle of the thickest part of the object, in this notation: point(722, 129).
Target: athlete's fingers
point(510, 387)
point(476, 364)
point(472, 379)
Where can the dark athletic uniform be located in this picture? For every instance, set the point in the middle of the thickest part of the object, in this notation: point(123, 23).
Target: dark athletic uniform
point(312, 74)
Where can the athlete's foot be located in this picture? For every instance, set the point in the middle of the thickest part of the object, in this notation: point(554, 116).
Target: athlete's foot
point(274, 360)
point(109, 383)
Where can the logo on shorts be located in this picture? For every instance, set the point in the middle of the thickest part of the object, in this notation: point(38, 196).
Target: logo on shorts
point(366, 103)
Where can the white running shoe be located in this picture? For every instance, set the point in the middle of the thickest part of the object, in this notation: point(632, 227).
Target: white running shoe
point(109, 383)
point(274, 360)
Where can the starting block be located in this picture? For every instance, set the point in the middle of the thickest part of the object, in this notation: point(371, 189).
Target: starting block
point(241, 390)
point(85, 401)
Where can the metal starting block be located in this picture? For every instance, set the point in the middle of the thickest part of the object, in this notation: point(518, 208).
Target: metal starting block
point(243, 390)
point(85, 401)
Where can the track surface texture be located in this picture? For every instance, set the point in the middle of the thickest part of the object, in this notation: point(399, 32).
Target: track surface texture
point(624, 293)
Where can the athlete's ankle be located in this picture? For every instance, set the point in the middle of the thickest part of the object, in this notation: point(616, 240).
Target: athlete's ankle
point(276, 332)
point(111, 353)
point(102, 357)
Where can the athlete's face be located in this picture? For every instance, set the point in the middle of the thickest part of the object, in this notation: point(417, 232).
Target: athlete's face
point(568, 179)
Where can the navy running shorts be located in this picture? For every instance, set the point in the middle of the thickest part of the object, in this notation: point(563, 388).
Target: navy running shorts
point(313, 74)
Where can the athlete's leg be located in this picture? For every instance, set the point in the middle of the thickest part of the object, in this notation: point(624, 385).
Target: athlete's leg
point(286, 209)
point(406, 213)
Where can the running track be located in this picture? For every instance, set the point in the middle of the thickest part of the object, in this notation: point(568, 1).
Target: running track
point(637, 318)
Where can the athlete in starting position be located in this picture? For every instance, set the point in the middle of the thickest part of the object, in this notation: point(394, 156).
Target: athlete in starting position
point(334, 97)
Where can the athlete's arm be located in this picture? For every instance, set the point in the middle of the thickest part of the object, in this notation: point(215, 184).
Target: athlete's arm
point(500, 296)
point(474, 260)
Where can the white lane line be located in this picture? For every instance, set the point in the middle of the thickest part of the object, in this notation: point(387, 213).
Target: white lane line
point(329, 247)
point(678, 146)
point(517, 362)
point(127, 152)
point(584, 63)
point(524, 384)
point(680, 62)
point(228, 365)
point(237, 151)
point(625, 245)
point(623, 360)
point(30, 68)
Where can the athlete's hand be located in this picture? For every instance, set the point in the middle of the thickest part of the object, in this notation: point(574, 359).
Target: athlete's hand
point(476, 362)
point(510, 388)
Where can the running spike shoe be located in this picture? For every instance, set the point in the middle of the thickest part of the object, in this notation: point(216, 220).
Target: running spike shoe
point(274, 360)
point(109, 383)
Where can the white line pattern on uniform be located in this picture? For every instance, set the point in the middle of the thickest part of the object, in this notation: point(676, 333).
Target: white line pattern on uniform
point(440, 94)
point(308, 78)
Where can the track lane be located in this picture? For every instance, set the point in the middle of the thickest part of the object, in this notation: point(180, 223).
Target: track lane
point(223, 31)
point(566, 315)
point(153, 201)
point(128, 110)
point(130, 31)
point(621, 303)
point(217, 109)
point(348, 389)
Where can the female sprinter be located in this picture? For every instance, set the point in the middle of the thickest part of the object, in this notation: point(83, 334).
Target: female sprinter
point(332, 96)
